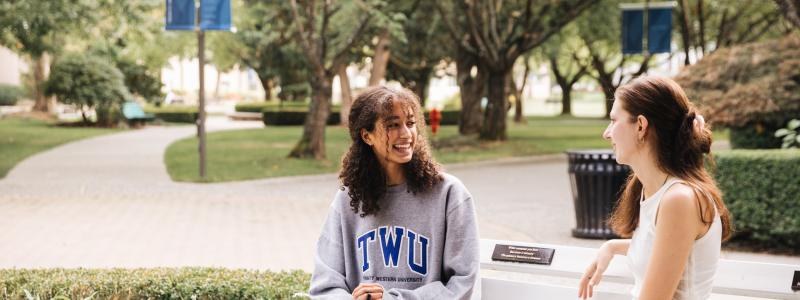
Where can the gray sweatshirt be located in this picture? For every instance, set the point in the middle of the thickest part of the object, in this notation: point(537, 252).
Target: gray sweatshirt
point(422, 246)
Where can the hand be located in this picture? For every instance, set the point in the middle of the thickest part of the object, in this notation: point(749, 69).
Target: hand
point(368, 291)
point(591, 277)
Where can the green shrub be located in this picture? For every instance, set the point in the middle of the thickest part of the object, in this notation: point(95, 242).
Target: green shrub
point(449, 117)
point(790, 136)
point(293, 116)
point(9, 94)
point(183, 283)
point(756, 136)
point(88, 81)
point(761, 188)
point(173, 113)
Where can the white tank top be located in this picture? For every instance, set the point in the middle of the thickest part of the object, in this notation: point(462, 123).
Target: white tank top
point(698, 275)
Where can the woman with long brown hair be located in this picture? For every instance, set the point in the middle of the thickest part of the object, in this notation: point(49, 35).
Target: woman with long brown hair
point(670, 211)
point(399, 228)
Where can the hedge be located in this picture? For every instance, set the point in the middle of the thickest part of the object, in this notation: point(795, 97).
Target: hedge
point(449, 117)
point(9, 94)
point(761, 188)
point(261, 106)
point(756, 136)
point(182, 283)
point(177, 114)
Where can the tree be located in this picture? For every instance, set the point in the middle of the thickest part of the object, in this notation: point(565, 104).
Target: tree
point(325, 39)
point(499, 33)
point(264, 43)
point(36, 28)
point(568, 59)
point(791, 11)
point(707, 25)
point(600, 32)
point(753, 89)
point(88, 82)
point(414, 61)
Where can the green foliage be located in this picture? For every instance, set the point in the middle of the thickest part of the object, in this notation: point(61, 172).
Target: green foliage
point(760, 189)
point(173, 113)
point(9, 94)
point(449, 117)
point(755, 136)
point(183, 283)
point(790, 135)
point(141, 81)
point(290, 116)
point(90, 82)
point(261, 106)
point(36, 27)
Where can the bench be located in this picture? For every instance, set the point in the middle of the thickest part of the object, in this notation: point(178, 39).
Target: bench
point(134, 114)
point(734, 279)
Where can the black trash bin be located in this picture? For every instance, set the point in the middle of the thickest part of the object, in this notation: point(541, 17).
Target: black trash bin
point(596, 179)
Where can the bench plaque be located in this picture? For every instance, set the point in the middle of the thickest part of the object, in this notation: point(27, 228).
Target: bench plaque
point(795, 281)
point(523, 254)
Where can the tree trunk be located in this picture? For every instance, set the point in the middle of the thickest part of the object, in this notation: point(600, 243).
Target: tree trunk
point(312, 143)
point(519, 92)
point(266, 83)
point(702, 34)
point(685, 29)
point(566, 100)
point(347, 98)
point(42, 103)
point(381, 59)
point(421, 84)
point(216, 85)
point(472, 89)
point(494, 125)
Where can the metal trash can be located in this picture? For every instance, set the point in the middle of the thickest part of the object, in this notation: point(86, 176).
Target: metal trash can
point(597, 180)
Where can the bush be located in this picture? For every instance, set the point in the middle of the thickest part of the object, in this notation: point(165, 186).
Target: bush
point(9, 94)
point(760, 188)
point(293, 116)
point(184, 283)
point(176, 114)
point(756, 136)
point(261, 106)
point(141, 81)
point(88, 81)
point(449, 117)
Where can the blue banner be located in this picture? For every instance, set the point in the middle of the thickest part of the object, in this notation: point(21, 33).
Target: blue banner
point(215, 14)
point(659, 30)
point(180, 15)
point(632, 31)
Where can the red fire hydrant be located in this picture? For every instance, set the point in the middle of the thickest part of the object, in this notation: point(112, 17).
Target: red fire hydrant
point(436, 117)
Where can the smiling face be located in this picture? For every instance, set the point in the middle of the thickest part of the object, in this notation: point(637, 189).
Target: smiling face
point(394, 137)
point(623, 133)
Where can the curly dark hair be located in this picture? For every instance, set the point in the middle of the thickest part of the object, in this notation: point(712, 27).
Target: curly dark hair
point(361, 171)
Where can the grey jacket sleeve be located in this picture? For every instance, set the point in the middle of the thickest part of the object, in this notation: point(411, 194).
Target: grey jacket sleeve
point(328, 279)
point(461, 259)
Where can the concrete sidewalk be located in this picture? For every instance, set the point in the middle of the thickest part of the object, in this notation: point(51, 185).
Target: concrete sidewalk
point(107, 202)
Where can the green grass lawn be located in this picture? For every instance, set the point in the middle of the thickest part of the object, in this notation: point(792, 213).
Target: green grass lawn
point(20, 138)
point(261, 153)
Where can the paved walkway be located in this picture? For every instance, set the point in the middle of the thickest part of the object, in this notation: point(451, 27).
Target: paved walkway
point(107, 201)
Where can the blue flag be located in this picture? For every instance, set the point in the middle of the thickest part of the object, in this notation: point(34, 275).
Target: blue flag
point(659, 30)
point(632, 31)
point(180, 15)
point(215, 14)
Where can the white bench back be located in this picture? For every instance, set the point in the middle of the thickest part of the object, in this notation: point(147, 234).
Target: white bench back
point(740, 278)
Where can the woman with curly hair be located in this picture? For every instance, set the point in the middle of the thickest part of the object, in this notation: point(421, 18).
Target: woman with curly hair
point(671, 211)
point(399, 228)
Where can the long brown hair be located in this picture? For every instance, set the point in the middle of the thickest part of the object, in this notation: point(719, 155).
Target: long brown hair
point(361, 172)
point(679, 149)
